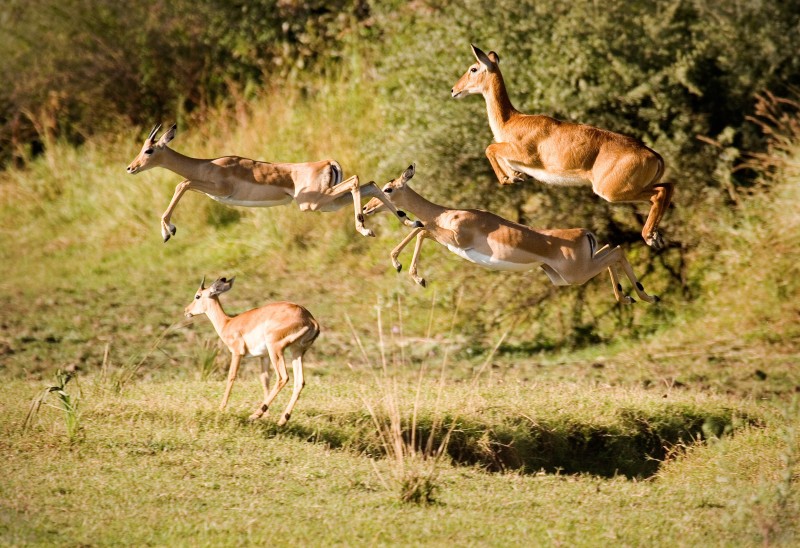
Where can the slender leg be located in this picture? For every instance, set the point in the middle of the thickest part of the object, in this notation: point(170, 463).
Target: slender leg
point(626, 267)
point(412, 269)
point(276, 357)
point(299, 383)
point(617, 287)
point(234, 369)
point(264, 380)
point(396, 251)
point(660, 196)
point(503, 151)
point(167, 228)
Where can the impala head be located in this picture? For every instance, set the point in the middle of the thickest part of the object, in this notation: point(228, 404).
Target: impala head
point(476, 79)
point(199, 304)
point(148, 156)
point(393, 190)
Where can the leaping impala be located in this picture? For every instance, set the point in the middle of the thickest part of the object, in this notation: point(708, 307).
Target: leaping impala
point(568, 256)
point(269, 330)
point(237, 181)
point(619, 168)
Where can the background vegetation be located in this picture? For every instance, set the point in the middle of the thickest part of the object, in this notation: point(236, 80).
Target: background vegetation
point(563, 417)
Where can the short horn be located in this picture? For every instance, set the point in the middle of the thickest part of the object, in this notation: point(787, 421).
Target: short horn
point(203, 283)
point(153, 133)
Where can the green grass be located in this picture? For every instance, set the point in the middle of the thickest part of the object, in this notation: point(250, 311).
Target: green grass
point(159, 465)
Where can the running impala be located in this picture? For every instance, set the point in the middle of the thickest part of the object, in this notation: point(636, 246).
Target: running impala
point(568, 256)
point(237, 181)
point(267, 331)
point(617, 167)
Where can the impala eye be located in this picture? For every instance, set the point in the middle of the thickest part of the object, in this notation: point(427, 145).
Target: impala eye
point(197, 296)
point(473, 69)
point(387, 190)
point(148, 151)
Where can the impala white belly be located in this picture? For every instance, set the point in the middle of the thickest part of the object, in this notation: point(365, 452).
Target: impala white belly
point(251, 203)
point(549, 178)
point(474, 256)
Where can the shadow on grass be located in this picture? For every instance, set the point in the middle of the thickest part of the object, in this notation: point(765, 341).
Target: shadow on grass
point(635, 446)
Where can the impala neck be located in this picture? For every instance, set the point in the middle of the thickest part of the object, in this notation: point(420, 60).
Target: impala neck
point(498, 104)
point(185, 166)
point(217, 316)
point(425, 210)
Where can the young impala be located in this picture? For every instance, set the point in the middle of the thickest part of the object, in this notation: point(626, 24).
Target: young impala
point(619, 168)
point(568, 256)
point(271, 330)
point(237, 181)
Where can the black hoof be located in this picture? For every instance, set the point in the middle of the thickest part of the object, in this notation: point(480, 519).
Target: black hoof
point(418, 224)
point(166, 238)
point(399, 267)
point(657, 298)
point(423, 283)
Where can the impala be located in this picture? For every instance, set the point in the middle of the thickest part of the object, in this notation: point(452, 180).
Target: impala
point(568, 256)
point(237, 181)
point(269, 330)
point(619, 168)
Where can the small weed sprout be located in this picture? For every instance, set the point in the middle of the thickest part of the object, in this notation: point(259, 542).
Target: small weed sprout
point(68, 403)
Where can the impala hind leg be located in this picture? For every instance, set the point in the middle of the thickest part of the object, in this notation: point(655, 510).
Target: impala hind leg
point(298, 384)
point(279, 365)
point(264, 381)
point(660, 196)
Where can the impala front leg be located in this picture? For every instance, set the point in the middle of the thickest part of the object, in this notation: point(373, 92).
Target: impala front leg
point(396, 251)
point(371, 190)
point(500, 152)
point(412, 269)
point(235, 360)
point(168, 229)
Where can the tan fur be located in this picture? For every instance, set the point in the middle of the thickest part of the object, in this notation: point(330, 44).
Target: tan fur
point(568, 256)
point(234, 180)
point(618, 168)
point(266, 331)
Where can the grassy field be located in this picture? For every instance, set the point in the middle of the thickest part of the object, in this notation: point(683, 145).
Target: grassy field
point(683, 430)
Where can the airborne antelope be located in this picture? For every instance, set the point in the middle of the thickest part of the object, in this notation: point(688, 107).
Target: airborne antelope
point(237, 181)
point(619, 168)
point(269, 330)
point(568, 256)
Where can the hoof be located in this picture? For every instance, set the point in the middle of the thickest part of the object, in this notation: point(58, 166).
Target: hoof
point(166, 238)
point(418, 224)
point(656, 299)
point(284, 419)
point(422, 282)
point(399, 267)
point(254, 417)
point(655, 241)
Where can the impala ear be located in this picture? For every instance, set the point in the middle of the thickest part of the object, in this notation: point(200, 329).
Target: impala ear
point(409, 172)
point(221, 286)
point(494, 58)
point(482, 57)
point(168, 136)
